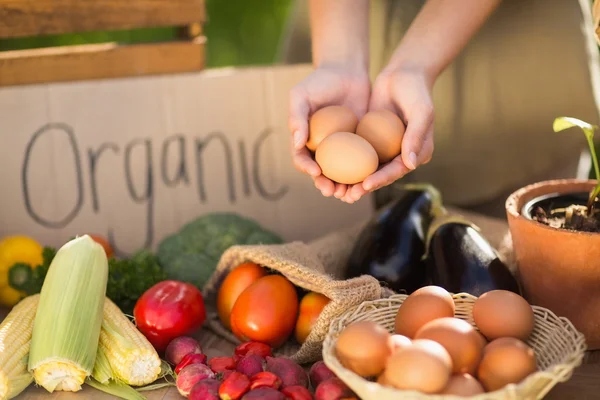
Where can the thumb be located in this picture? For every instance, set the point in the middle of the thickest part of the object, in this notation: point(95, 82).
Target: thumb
point(298, 118)
point(380, 100)
point(417, 130)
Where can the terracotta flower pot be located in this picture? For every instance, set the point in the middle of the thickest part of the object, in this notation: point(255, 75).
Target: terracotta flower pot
point(559, 269)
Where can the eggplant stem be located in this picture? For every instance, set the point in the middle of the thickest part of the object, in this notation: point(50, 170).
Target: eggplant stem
point(437, 206)
point(442, 220)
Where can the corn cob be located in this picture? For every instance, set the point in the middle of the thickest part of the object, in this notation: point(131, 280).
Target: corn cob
point(66, 329)
point(132, 358)
point(15, 338)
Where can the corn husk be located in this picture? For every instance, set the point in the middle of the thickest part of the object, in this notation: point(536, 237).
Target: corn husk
point(67, 324)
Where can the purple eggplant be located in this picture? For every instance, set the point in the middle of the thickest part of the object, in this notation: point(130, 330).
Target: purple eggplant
point(391, 246)
point(460, 259)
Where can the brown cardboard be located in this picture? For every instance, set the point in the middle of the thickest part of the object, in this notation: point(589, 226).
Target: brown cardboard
point(70, 150)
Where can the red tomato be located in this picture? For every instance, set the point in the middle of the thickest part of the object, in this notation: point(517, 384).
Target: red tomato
point(266, 311)
point(104, 243)
point(168, 310)
point(310, 308)
point(236, 282)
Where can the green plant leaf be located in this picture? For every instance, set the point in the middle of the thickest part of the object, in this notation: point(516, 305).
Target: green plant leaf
point(562, 123)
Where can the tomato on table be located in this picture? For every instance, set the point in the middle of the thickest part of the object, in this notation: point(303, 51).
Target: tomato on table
point(266, 311)
point(311, 306)
point(234, 284)
point(168, 310)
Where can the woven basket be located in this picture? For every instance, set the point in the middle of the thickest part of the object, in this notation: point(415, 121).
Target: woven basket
point(558, 346)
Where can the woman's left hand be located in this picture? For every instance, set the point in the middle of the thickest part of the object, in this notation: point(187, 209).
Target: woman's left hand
point(406, 92)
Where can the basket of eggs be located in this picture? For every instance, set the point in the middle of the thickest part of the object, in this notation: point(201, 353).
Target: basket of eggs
point(435, 345)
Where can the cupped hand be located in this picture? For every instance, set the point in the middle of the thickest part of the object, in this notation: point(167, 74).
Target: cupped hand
point(406, 92)
point(324, 87)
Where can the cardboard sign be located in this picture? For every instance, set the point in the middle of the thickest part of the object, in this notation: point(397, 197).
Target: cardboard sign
point(135, 159)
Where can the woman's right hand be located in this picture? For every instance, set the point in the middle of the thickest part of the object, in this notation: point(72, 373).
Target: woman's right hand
point(324, 87)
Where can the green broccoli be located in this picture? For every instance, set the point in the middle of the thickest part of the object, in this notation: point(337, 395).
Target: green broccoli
point(192, 254)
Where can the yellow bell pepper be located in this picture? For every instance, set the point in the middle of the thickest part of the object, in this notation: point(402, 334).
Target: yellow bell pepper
point(16, 249)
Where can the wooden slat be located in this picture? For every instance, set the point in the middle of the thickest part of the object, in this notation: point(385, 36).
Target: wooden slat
point(72, 63)
point(20, 18)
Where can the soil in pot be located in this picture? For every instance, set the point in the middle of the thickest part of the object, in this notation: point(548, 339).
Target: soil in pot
point(564, 211)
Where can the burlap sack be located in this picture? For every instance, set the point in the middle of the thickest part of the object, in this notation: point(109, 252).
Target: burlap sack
point(316, 266)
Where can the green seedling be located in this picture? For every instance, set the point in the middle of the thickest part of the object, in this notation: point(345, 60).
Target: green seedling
point(562, 123)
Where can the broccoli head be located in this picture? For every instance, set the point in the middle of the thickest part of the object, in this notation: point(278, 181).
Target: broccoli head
point(192, 254)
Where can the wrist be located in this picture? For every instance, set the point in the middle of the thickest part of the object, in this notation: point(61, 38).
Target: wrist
point(405, 61)
point(423, 72)
point(353, 60)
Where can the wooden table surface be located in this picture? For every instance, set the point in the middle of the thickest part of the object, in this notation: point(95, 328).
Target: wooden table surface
point(583, 385)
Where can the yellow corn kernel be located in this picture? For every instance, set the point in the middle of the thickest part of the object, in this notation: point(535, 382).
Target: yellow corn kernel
point(15, 339)
point(66, 329)
point(131, 356)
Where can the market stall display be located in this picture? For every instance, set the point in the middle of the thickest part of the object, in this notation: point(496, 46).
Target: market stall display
point(193, 370)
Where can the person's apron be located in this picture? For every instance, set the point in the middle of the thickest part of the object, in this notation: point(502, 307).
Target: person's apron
point(532, 61)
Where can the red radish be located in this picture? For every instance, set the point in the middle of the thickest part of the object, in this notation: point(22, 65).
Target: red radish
point(333, 389)
point(264, 393)
point(221, 364)
point(190, 375)
point(251, 365)
point(206, 389)
point(258, 348)
point(190, 359)
point(297, 393)
point(290, 373)
point(180, 347)
point(265, 379)
point(319, 373)
point(234, 387)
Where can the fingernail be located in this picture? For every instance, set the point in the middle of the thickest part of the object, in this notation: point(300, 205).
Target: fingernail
point(297, 140)
point(412, 160)
point(368, 186)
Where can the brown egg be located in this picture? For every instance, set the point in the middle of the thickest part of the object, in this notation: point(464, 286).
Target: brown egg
point(363, 348)
point(501, 342)
point(500, 313)
point(505, 362)
point(424, 366)
point(346, 158)
point(384, 130)
point(482, 340)
point(328, 120)
point(459, 338)
point(463, 385)
point(422, 306)
point(398, 342)
point(381, 380)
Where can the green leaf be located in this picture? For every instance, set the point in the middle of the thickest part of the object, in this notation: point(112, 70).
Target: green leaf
point(562, 123)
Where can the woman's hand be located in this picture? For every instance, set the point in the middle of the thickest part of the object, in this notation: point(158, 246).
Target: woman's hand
point(407, 92)
point(325, 86)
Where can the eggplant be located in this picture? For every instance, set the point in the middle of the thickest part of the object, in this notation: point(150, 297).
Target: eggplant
point(391, 246)
point(460, 259)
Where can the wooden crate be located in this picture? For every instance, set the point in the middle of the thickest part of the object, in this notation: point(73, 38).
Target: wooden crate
point(25, 18)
